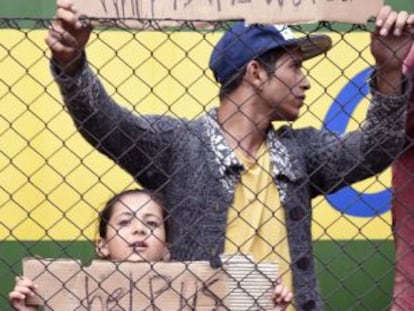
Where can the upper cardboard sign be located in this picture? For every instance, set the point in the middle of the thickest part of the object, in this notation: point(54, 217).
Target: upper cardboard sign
point(252, 11)
point(65, 285)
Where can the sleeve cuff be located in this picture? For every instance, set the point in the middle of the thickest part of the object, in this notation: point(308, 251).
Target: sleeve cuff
point(65, 79)
point(390, 102)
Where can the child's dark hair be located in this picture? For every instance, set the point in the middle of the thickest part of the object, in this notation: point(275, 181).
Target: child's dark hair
point(106, 213)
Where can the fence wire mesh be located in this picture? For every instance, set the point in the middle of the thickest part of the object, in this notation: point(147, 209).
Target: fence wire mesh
point(53, 183)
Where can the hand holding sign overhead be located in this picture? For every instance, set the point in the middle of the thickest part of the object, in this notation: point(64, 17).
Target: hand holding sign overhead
point(390, 44)
point(392, 38)
point(67, 36)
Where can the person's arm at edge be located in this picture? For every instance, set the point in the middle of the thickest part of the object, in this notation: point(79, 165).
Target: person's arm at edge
point(409, 71)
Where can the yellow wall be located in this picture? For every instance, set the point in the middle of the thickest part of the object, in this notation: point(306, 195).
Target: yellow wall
point(49, 172)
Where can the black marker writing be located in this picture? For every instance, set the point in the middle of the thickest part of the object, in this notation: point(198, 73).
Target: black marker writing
point(135, 8)
point(188, 2)
point(155, 293)
point(297, 2)
point(115, 3)
point(102, 300)
point(185, 302)
point(123, 7)
point(206, 291)
point(103, 3)
point(218, 4)
point(233, 2)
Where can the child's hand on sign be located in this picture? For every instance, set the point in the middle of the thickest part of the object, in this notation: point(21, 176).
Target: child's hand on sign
point(23, 289)
point(282, 296)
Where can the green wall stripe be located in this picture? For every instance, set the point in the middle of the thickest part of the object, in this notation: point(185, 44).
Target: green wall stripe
point(353, 275)
point(27, 8)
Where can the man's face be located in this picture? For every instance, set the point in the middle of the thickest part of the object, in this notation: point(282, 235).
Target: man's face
point(284, 90)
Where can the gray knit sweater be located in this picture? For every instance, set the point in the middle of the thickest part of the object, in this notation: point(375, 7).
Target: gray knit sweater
point(190, 162)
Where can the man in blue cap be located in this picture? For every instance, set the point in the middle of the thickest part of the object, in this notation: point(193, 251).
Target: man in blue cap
point(233, 182)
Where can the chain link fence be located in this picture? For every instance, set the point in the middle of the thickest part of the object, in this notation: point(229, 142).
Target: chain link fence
point(53, 183)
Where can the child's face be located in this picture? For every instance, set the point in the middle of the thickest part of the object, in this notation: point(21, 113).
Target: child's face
point(135, 230)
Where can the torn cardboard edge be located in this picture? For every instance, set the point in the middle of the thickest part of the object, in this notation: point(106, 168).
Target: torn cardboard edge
point(174, 12)
point(65, 284)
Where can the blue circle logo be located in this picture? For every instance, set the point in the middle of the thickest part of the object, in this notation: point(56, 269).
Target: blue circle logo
point(348, 200)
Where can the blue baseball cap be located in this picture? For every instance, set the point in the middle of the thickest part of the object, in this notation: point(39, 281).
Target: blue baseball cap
point(243, 42)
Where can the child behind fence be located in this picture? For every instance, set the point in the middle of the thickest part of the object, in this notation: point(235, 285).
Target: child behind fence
point(132, 227)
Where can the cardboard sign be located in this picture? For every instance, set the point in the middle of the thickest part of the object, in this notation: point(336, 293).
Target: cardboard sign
point(65, 285)
point(252, 11)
